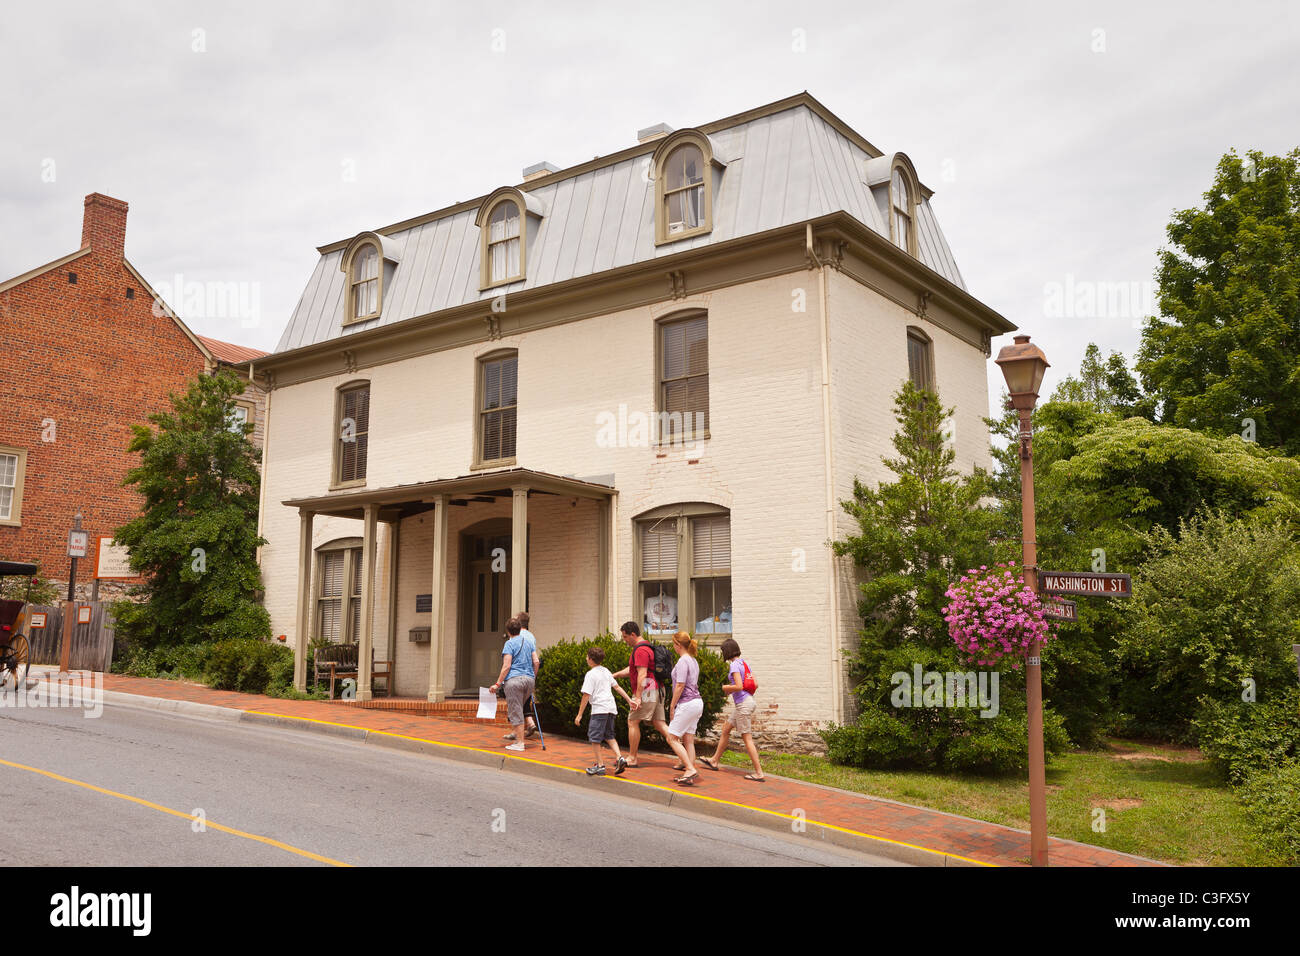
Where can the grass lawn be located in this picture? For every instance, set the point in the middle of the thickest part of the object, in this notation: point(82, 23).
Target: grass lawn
point(1162, 802)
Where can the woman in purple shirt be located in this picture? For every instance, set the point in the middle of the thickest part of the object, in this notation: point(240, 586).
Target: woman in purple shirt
point(687, 706)
point(742, 716)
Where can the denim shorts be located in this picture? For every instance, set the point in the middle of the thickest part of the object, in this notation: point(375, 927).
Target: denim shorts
point(601, 728)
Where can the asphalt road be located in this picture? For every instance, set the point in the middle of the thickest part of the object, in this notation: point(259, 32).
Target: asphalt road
point(322, 799)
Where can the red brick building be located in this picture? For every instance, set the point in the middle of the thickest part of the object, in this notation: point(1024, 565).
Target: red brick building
point(88, 354)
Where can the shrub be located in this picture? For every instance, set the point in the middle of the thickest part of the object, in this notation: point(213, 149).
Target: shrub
point(179, 662)
point(248, 664)
point(41, 592)
point(1240, 738)
point(559, 687)
point(1215, 605)
point(886, 736)
point(1272, 799)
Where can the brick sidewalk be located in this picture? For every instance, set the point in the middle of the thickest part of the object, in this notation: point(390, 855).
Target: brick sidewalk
point(970, 840)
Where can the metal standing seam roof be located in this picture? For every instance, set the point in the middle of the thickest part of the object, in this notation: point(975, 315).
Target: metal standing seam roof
point(779, 169)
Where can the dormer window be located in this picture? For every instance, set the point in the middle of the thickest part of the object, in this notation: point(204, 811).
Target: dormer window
point(504, 254)
point(901, 201)
point(365, 283)
point(685, 167)
point(368, 262)
point(504, 221)
point(684, 190)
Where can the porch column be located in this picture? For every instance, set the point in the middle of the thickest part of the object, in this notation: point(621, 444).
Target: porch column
point(300, 636)
point(390, 624)
point(366, 638)
point(438, 601)
point(519, 550)
point(602, 565)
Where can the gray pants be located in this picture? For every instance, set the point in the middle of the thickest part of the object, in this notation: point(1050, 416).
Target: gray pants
point(518, 690)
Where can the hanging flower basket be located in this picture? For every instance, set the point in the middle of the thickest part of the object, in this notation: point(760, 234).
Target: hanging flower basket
point(993, 615)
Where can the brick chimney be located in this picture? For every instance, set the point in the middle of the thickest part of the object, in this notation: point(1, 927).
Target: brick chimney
point(104, 225)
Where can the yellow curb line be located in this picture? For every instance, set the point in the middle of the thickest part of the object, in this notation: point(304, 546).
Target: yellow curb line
point(637, 783)
point(176, 813)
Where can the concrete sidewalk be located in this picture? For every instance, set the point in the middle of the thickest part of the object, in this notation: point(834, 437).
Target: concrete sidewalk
point(895, 830)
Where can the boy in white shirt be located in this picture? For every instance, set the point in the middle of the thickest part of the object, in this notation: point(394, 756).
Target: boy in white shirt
point(598, 687)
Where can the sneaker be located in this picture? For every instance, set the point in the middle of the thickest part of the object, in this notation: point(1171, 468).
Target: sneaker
point(596, 771)
point(509, 736)
point(515, 746)
point(530, 732)
point(622, 765)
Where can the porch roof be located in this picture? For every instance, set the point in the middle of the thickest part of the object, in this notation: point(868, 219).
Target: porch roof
point(404, 500)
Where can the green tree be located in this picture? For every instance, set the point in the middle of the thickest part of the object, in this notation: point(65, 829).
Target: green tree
point(1108, 386)
point(915, 535)
point(195, 540)
point(1214, 613)
point(1101, 485)
point(915, 532)
point(1227, 344)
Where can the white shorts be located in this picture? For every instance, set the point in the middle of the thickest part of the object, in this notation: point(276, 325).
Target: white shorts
point(685, 717)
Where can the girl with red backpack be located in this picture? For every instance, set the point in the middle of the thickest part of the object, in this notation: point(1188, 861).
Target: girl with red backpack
point(741, 686)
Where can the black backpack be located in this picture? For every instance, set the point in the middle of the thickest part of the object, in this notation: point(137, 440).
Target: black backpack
point(663, 666)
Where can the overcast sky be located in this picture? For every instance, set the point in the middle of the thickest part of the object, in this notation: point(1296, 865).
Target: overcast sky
point(1057, 138)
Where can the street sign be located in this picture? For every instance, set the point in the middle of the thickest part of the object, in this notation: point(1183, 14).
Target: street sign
point(1086, 583)
point(78, 542)
point(1061, 610)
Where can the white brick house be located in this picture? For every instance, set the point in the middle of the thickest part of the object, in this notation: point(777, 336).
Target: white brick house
point(656, 374)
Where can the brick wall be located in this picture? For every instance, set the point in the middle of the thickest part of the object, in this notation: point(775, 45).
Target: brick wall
point(83, 363)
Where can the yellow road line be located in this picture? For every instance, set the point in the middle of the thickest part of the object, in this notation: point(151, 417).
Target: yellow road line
point(176, 813)
point(636, 783)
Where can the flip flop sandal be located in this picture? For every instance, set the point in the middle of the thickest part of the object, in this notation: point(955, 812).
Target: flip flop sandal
point(708, 763)
point(679, 766)
point(750, 776)
point(688, 781)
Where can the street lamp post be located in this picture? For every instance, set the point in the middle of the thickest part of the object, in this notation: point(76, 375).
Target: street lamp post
point(1023, 366)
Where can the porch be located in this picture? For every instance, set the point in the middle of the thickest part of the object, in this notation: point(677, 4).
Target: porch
point(457, 539)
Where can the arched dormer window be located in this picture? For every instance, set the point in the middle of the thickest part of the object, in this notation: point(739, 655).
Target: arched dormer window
point(902, 205)
point(903, 196)
point(367, 262)
point(897, 192)
point(503, 221)
point(685, 167)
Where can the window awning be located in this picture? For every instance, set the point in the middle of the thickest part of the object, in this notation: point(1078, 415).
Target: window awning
point(400, 501)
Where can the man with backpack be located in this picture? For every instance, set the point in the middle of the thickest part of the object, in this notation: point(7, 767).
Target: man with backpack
point(649, 676)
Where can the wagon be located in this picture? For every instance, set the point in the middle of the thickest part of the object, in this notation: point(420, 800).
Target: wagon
point(14, 650)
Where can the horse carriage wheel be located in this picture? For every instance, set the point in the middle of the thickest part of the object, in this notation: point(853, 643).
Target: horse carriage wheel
point(16, 663)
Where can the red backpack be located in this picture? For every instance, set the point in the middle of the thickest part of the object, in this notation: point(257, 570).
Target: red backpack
point(747, 682)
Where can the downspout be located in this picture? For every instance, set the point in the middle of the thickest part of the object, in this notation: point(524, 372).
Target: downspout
point(266, 457)
point(836, 704)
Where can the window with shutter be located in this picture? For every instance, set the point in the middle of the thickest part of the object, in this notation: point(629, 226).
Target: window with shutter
point(683, 568)
point(683, 379)
point(658, 591)
point(353, 434)
point(919, 360)
point(329, 603)
point(498, 410)
point(711, 574)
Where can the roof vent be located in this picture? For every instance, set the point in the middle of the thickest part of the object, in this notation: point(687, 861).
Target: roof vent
point(539, 169)
point(658, 131)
